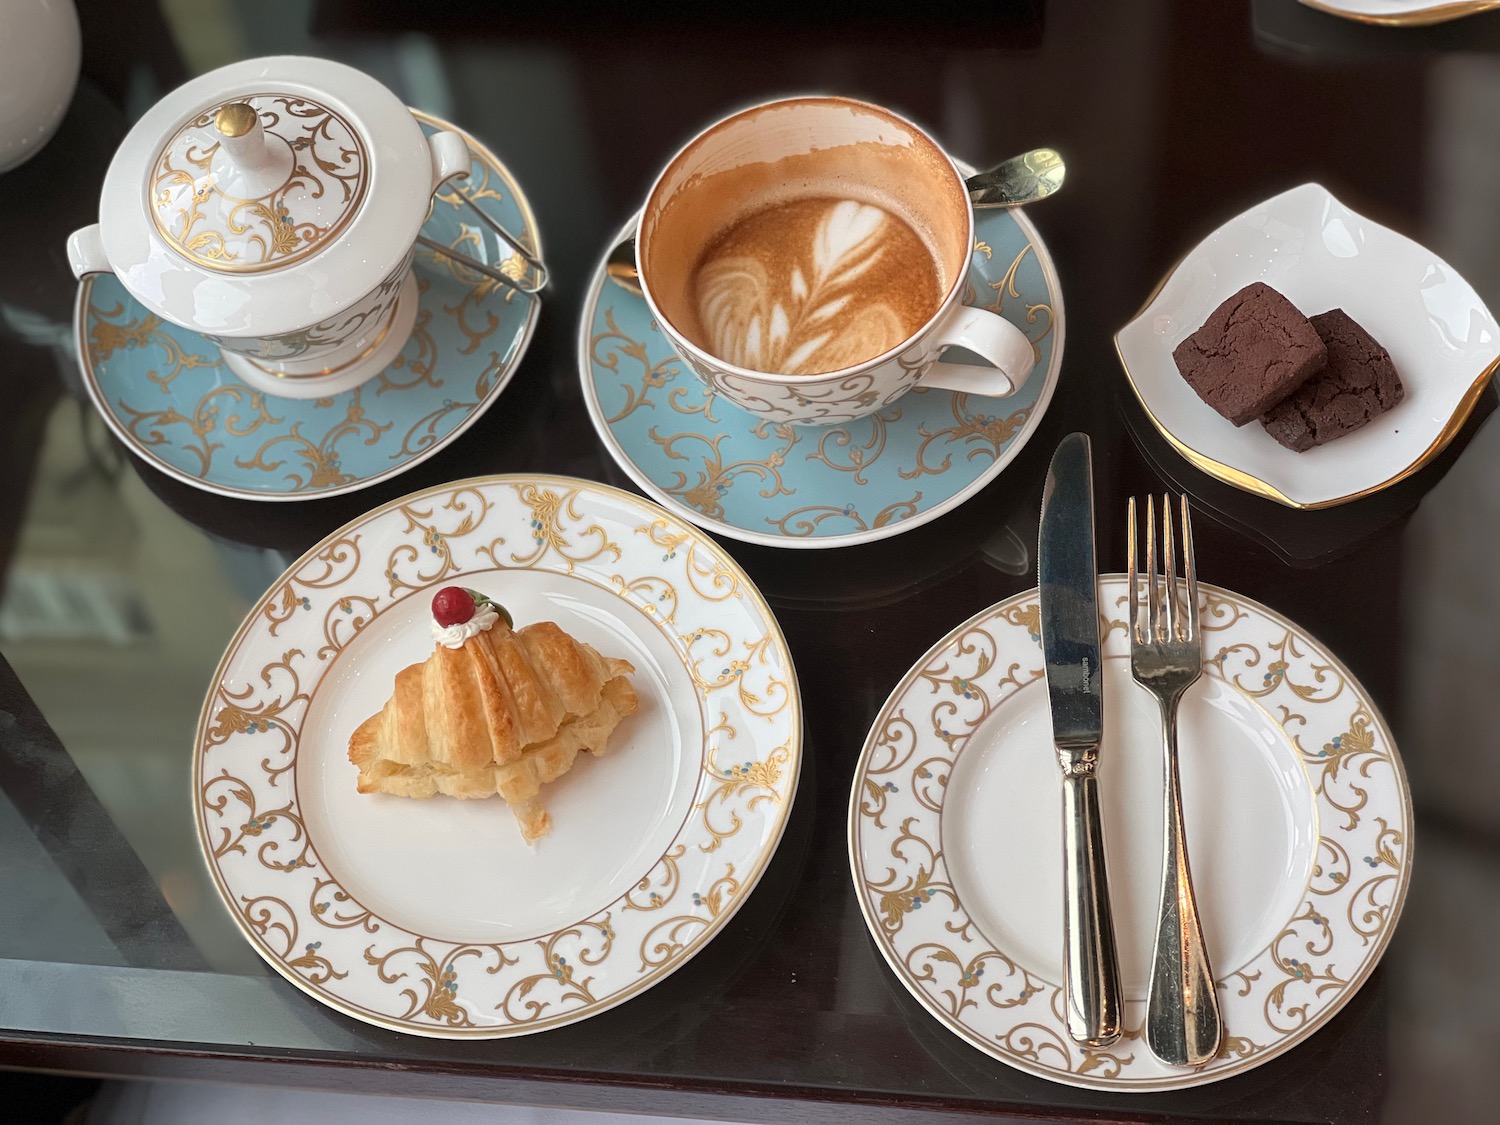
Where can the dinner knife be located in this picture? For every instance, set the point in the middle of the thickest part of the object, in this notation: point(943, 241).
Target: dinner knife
point(1066, 584)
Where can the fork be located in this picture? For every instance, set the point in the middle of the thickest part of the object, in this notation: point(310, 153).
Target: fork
point(1183, 1027)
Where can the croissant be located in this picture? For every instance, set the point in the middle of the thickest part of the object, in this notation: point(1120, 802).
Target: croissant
point(505, 713)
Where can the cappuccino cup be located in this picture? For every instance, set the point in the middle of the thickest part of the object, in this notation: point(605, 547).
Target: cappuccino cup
point(807, 259)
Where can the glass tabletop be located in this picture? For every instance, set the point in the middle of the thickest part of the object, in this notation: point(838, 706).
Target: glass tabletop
point(122, 585)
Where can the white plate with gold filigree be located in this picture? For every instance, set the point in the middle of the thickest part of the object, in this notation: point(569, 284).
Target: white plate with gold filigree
point(166, 393)
point(434, 917)
point(1299, 827)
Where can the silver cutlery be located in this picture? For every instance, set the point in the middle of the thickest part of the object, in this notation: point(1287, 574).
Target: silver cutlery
point(620, 268)
point(538, 270)
point(1066, 584)
point(1022, 179)
point(1018, 181)
point(1183, 1027)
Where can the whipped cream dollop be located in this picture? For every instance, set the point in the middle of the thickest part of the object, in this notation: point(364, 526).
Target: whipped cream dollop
point(454, 636)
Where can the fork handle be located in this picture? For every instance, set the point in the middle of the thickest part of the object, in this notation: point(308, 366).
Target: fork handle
point(1183, 1026)
point(1090, 964)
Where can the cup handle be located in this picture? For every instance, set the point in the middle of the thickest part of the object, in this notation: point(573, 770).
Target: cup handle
point(86, 252)
point(992, 337)
point(450, 157)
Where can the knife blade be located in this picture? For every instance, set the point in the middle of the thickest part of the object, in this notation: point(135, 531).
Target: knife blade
point(1067, 589)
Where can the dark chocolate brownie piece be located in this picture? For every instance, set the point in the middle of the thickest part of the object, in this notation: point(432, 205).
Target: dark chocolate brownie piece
point(1359, 383)
point(1253, 351)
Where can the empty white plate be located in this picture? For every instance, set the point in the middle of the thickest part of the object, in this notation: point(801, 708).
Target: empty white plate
point(1298, 820)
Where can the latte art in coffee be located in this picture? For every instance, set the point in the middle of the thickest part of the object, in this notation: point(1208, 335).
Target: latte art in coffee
point(813, 285)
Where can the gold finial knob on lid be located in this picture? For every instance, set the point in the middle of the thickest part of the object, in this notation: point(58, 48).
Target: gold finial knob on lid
point(236, 119)
point(243, 144)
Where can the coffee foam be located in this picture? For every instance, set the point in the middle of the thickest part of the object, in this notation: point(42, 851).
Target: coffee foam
point(811, 285)
point(720, 179)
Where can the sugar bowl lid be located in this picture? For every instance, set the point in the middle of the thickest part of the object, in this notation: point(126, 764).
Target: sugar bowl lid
point(266, 196)
point(259, 182)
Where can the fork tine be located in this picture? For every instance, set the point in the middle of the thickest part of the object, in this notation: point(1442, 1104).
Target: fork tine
point(1191, 569)
point(1153, 595)
point(1131, 577)
point(1169, 559)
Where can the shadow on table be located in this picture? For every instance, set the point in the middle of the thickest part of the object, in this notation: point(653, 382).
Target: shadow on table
point(1301, 539)
point(61, 811)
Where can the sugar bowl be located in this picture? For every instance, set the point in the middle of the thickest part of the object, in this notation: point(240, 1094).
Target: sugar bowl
point(272, 206)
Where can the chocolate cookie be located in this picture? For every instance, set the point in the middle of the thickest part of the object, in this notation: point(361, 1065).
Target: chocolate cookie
point(1253, 351)
point(1359, 383)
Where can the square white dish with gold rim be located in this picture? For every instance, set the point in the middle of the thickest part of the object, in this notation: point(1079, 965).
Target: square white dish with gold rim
point(1321, 255)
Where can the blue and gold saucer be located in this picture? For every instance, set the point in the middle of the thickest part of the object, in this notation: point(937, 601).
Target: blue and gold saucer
point(167, 395)
point(818, 486)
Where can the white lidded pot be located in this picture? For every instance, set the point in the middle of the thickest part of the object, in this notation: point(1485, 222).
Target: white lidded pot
point(40, 51)
point(272, 206)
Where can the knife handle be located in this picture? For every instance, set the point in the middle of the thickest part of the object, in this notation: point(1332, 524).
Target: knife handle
point(1090, 965)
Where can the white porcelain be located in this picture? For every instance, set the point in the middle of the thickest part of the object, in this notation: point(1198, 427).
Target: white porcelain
point(831, 486)
point(1298, 815)
point(169, 397)
point(309, 364)
point(1321, 255)
point(39, 56)
point(1402, 13)
point(796, 127)
point(433, 916)
point(298, 285)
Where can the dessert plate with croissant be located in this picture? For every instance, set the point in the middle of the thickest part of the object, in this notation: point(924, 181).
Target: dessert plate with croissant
point(497, 756)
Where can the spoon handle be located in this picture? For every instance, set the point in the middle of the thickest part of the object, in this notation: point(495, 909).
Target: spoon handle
point(1021, 179)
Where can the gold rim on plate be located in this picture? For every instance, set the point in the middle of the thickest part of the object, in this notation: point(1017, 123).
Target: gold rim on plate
point(1338, 746)
point(420, 972)
point(1422, 17)
point(1248, 482)
point(530, 235)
